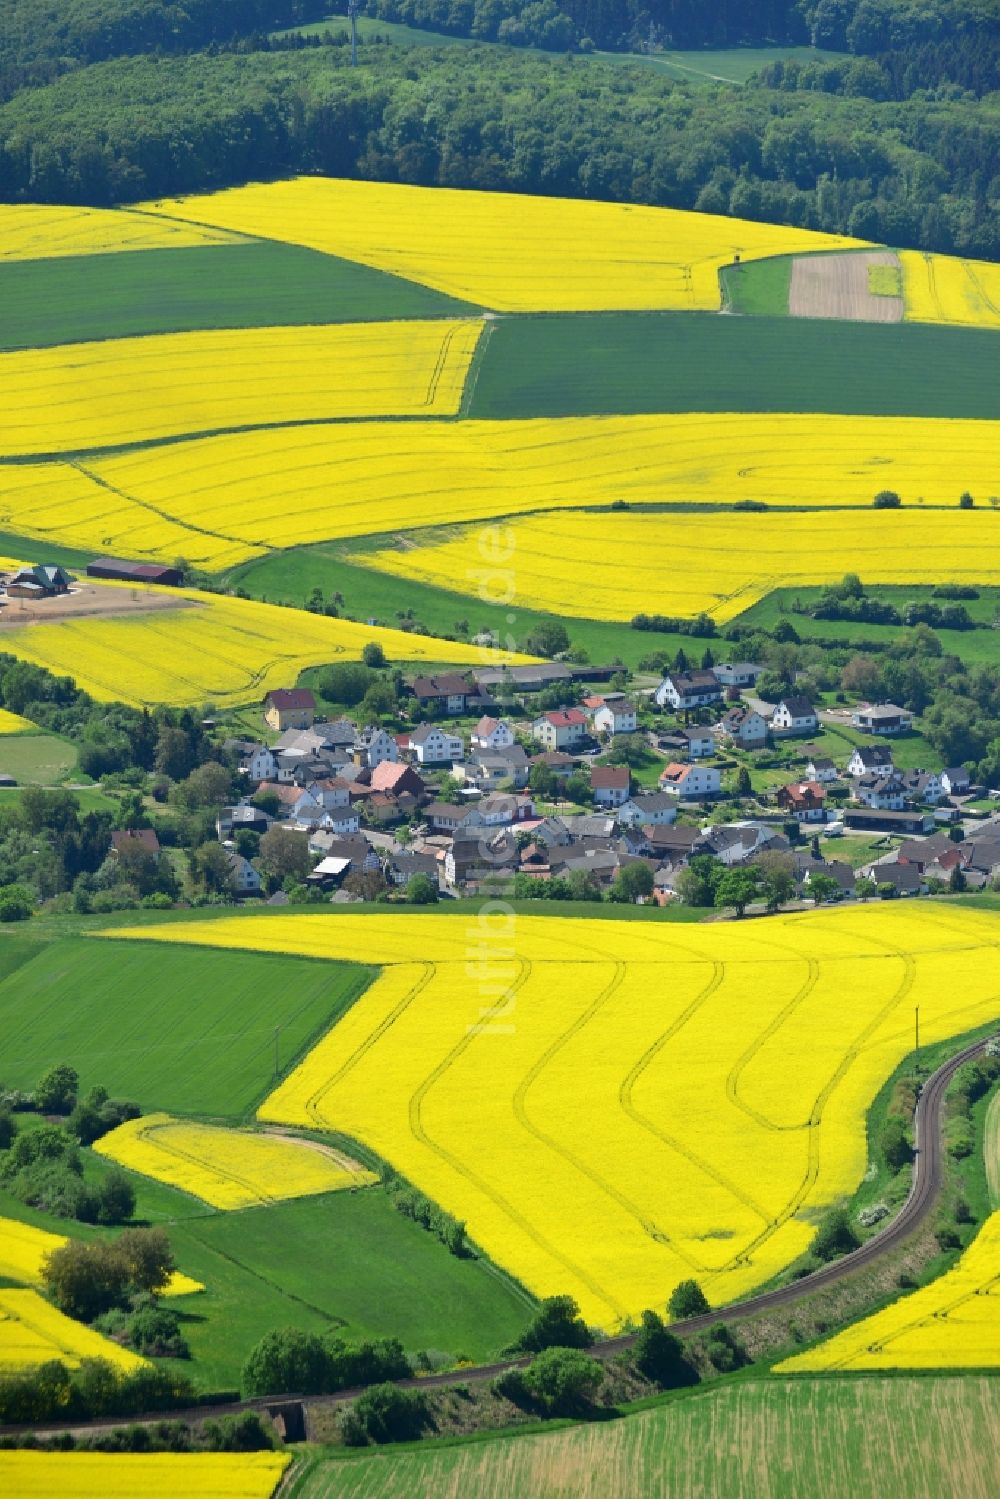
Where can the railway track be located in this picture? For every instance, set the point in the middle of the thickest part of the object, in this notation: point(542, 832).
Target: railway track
point(921, 1201)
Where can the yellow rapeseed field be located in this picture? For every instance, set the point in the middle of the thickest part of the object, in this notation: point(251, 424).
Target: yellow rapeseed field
point(603, 566)
point(953, 1323)
point(33, 1331)
point(24, 1249)
point(60, 501)
point(130, 1475)
point(228, 1168)
point(225, 651)
point(510, 253)
point(945, 289)
point(36, 231)
point(126, 390)
point(13, 723)
point(613, 1109)
point(274, 489)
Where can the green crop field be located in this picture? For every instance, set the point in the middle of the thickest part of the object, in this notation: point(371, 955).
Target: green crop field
point(758, 288)
point(71, 299)
point(726, 65)
point(36, 759)
point(182, 1029)
point(790, 1439)
point(348, 1263)
point(602, 364)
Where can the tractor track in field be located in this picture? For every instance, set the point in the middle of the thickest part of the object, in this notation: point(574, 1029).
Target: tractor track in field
point(922, 1199)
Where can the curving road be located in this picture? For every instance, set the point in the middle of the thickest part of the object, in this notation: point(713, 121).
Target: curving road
point(925, 1188)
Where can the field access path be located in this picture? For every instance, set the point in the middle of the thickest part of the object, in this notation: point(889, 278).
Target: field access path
point(922, 1199)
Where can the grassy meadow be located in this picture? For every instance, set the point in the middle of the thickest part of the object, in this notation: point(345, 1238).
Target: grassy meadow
point(75, 298)
point(596, 364)
point(757, 1440)
point(190, 1032)
point(36, 759)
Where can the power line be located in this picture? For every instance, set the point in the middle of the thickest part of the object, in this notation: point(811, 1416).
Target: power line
point(352, 10)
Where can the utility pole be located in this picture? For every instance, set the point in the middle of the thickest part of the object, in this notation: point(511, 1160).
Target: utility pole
point(352, 11)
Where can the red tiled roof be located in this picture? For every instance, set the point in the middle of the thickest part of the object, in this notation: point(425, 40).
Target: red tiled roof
point(566, 718)
point(611, 777)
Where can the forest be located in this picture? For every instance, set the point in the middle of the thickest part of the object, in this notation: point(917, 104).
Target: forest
point(920, 172)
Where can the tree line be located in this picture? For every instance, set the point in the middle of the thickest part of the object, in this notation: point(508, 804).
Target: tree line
point(917, 172)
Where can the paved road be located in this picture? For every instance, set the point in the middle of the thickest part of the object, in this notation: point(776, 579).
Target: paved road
point(924, 1192)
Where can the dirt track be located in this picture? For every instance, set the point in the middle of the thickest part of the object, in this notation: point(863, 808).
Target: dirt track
point(836, 286)
point(87, 601)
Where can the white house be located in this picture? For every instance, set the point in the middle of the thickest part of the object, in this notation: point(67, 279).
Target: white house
point(745, 727)
point(870, 759)
point(243, 878)
point(260, 764)
point(794, 715)
point(492, 734)
point(955, 780)
point(331, 793)
point(433, 746)
point(700, 742)
point(617, 716)
point(651, 809)
point(882, 718)
point(684, 690)
point(342, 820)
point(375, 745)
point(561, 729)
point(610, 784)
point(924, 786)
point(691, 782)
point(822, 770)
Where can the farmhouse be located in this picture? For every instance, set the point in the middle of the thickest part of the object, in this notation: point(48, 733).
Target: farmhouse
point(289, 708)
point(531, 678)
point(794, 715)
point(42, 581)
point(691, 782)
point(560, 729)
point(685, 690)
point(450, 693)
point(610, 784)
point(883, 718)
point(135, 572)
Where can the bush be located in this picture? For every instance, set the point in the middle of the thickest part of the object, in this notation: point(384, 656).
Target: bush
point(50, 1391)
point(16, 903)
point(289, 1360)
point(687, 1300)
point(557, 1323)
point(659, 1355)
point(385, 1413)
point(894, 1143)
point(563, 1380)
point(725, 1352)
point(887, 499)
point(155, 1332)
point(96, 1114)
point(413, 1204)
point(8, 1129)
point(836, 1236)
point(85, 1280)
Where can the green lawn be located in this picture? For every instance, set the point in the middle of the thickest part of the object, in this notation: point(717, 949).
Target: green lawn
point(583, 364)
point(728, 65)
point(347, 1262)
point(389, 31)
point(758, 288)
point(36, 759)
point(90, 798)
point(909, 751)
point(289, 577)
point(70, 299)
point(187, 1029)
point(763, 1439)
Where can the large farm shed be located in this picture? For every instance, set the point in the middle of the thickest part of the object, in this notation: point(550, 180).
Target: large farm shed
point(135, 572)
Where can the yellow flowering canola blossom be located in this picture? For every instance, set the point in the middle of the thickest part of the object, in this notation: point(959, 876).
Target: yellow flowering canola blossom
point(129, 1475)
point(60, 501)
point(221, 650)
point(616, 1107)
point(953, 1323)
point(33, 1331)
point(225, 1167)
point(24, 1249)
point(510, 253)
point(603, 566)
point(944, 289)
point(13, 723)
point(271, 489)
point(36, 231)
point(126, 390)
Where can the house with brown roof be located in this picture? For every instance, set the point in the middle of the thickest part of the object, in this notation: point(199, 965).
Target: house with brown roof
point(141, 838)
point(396, 779)
point(449, 692)
point(289, 708)
point(691, 782)
point(805, 800)
point(492, 734)
point(610, 784)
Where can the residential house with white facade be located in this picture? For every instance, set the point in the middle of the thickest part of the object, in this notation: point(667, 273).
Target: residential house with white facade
point(686, 690)
point(433, 745)
point(561, 729)
point(793, 715)
point(691, 782)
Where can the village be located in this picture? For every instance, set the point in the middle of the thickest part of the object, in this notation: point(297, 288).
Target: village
point(609, 795)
